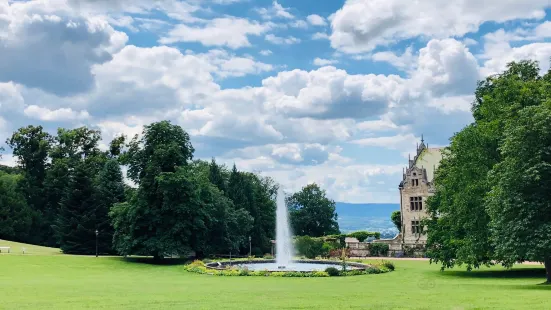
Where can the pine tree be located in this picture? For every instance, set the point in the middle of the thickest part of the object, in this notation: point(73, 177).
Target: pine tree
point(109, 190)
point(76, 223)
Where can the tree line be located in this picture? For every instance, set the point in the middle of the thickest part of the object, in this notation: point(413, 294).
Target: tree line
point(493, 199)
point(66, 191)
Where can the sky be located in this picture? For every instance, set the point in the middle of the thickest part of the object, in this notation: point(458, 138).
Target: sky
point(333, 92)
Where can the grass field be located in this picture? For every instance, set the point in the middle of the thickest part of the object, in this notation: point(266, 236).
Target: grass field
point(44, 279)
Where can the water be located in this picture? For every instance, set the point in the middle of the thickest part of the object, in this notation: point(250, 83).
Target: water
point(284, 243)
point(293, 266)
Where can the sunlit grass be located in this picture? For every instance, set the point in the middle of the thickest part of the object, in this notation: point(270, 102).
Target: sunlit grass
point(72, 282)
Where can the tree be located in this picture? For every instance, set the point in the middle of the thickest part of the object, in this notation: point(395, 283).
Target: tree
point(458, 226)
point(70, 148)
point(109, 191)
point(217, 176)
point(15, 216)
point(77, 222)
point(143, 226)
point(312, 213)
point(520, 201)
point(459, 230)
point(31, 146)
point(396, 218)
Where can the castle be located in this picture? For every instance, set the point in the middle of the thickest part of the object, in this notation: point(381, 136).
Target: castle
point(416, 186)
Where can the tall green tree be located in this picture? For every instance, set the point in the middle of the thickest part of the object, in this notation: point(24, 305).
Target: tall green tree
point(312, 213)
point(217, 176)
point(396, 218)
point(77, 222)
point(15, 216)
point(70, 148)
point(30, 146)
point(520, 201)
point(161, 150)
point(462, 226)
point(458, 227)
point(109, 191)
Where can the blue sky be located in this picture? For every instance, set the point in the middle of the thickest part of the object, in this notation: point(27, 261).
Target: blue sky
point(333, 92)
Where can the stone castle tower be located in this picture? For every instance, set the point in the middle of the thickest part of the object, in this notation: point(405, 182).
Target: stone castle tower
point(416, 186)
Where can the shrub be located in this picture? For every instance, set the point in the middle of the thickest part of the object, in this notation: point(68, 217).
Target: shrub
point(244, 271)
point(197, 263)
point(256, 252)
point(325, 249)
point(268, 256)
point(388, 265)
point(362, 235)
point(309, 247)
point(320, 274)
point(332, 271)
point(378, 249)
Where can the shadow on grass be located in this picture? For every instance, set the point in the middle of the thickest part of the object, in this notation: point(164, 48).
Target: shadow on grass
point(524, 273)
point(162, 262)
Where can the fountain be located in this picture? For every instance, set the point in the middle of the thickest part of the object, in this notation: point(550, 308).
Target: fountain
point(284, 243)
point(285, 250)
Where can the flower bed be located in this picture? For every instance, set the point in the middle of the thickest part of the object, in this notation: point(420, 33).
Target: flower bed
point(200, 267)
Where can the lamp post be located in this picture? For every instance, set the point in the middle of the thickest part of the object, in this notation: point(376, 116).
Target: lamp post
point(250, 246)
point(97, 243)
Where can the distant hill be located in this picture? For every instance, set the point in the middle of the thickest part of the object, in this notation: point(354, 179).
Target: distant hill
point(367, 216)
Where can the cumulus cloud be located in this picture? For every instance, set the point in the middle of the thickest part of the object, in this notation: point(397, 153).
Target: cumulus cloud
point(53, 49)
point(362, 25)
point(320, 36)
point(281, 40)
point(324, 62)
point(332, 93)
point(229, 65)
point(275, 11)
point(316, 20)
point(59, 115)
point(232, 32)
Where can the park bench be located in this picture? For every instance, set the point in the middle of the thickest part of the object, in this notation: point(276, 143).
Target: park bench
point(4, 248)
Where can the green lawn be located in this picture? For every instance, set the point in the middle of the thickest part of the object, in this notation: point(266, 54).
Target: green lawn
point(71, 282)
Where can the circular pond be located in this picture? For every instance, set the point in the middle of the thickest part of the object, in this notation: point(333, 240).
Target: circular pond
point(298, 265)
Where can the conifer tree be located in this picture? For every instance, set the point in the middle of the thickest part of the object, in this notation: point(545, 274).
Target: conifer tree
point(109, 191)
point(76, 224)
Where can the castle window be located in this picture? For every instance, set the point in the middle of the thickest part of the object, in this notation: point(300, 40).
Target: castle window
point(415, 182)
point(416, 203)
point(415, 227)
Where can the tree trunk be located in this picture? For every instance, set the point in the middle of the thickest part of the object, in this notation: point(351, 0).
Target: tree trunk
point(547, 264)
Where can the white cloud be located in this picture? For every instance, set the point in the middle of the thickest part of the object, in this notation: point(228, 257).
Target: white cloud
point(320, 36)
point(324, 62)
point(265, 52)
point(299, 24)
point(446, 67)
point(404, 61)
point(316, 20)
point(232, 32)
point(69, 45)
point(229, 65)
point(59, 115)
point(398, 142)
point(332, 93)
point(275, 11)
point(280, 40)
point(362, 25)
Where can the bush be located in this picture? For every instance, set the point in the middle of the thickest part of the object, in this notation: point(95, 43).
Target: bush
point(362, 235)
point(388, 265)
point(257, 252)
point(332, 271)
point(378, 249)
point(309, 247)
point(268, 256)
point(244, 271)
